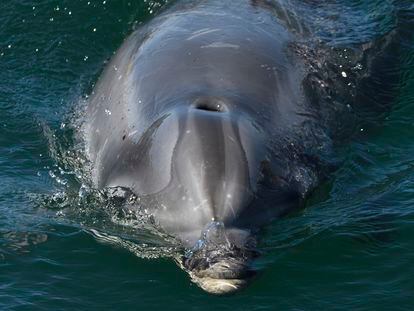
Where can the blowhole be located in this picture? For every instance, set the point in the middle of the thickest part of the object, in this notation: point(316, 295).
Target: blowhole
point(210, 105)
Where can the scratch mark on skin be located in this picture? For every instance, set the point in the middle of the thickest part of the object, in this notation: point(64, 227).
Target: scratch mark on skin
point(202, 32)
point(221, 45)
point(132, 133)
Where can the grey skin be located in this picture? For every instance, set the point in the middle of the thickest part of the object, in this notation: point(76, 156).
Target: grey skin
point(208, 114)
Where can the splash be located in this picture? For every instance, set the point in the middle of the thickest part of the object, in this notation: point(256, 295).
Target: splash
point(114, 216)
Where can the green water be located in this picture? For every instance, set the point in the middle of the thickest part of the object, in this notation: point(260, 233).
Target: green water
point(352, 248)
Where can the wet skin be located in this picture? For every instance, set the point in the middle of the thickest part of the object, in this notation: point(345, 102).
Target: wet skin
point(205, 114)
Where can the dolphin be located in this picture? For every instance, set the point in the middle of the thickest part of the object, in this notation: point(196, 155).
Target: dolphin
point(220, 118)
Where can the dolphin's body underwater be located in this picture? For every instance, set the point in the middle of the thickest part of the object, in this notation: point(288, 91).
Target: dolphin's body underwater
point(219, 118)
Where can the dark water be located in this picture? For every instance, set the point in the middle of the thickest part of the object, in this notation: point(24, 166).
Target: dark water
point(352, 248)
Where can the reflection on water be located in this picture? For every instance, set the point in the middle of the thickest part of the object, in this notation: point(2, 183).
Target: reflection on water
point(20, 242)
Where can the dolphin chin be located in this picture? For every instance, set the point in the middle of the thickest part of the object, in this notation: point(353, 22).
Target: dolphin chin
point(223, 277)
point(219, 286)
point(219, 263)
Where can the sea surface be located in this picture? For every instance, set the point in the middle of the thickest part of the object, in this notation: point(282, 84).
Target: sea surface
point(64, 246)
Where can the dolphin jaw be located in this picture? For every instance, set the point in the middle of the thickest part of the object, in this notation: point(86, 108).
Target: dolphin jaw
point(224, 277)
point(216, 264)
point(218, 286)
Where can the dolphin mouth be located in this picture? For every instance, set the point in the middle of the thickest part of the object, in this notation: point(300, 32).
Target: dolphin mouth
point(222, 277)
point(218, 265)
point(220, 286)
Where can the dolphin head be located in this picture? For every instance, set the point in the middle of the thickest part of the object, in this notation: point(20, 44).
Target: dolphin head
point(197, 126)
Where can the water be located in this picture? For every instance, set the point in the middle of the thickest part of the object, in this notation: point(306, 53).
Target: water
point(351, 248)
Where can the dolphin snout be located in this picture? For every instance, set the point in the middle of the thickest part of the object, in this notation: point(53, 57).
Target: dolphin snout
point(220, 261)
point(219, 286)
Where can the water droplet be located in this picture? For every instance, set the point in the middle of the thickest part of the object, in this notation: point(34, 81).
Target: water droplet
point(83, 191)
point(358, 66)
